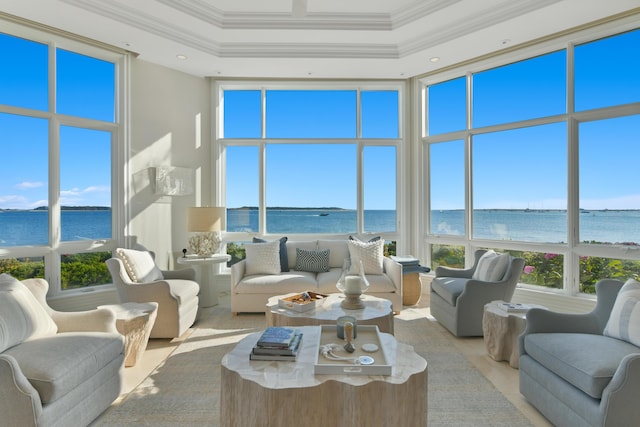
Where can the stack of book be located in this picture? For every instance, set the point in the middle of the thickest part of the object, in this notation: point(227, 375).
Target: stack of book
point(410, 264)
point(277, 343)
point(511, 307)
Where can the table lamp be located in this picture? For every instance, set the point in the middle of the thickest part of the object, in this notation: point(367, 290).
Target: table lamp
point(207, 222)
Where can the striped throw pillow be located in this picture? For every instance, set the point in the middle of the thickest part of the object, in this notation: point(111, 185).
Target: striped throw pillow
point(312, 261)
point(491, 267)
point(624, 321)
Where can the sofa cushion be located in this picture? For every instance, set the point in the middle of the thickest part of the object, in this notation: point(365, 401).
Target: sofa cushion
point(57, 364)
point(370, 253)
point(312, 261)
point(449, 288)
point(586, 361)
point(284, 256)
point(263, 258)
point(140, 265)
point(338, 251)
point(277, 284)
point(22, 317)
point(624, 320)
point(491, 267)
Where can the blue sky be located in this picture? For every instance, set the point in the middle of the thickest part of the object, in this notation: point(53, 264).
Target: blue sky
point(85, 89)
point(526, 168)
point(512, 169)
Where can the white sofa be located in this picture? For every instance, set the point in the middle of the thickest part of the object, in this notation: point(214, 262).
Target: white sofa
point(56, 368)
point(250, 293)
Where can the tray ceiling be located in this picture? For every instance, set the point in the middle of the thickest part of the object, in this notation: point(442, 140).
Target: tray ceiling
point(313, 38)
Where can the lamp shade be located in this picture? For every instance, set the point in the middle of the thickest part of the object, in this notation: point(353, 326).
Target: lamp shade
point(204, 219)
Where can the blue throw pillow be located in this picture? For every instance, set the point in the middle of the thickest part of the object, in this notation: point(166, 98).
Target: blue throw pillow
point(284, 257)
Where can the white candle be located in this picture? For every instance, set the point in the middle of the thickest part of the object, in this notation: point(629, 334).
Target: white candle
point(352, 285)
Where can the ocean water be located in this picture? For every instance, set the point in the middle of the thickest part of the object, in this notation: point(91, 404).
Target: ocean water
point(21, 228)
point(31, 227)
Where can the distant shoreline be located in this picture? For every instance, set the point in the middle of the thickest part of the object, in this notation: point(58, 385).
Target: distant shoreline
point(62, 208)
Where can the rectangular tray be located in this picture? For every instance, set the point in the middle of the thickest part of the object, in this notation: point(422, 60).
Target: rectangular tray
point(366, 334)
point(289, 301)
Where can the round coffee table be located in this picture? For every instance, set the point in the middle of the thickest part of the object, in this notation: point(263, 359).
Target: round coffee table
point(376, 311)
point(259, 393)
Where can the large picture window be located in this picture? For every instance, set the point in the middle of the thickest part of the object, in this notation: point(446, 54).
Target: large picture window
point(329, 157)
point(58, 142)
point(547, 178)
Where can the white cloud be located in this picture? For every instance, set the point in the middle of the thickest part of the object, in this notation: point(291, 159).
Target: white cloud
point(28, 185)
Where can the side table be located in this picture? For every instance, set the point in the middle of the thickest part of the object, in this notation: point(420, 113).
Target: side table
point(262, 394)
point(411, 284)
point(134, 321)
point(501, 330)
point(208, 295)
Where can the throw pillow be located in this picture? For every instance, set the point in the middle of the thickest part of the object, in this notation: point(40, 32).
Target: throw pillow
point(624, 320)
point(262, 258)
point(491, 267)
point(139, 265)
point(21, 315)
point(284, 257)
point(373, 239)
point(370, 253)
point(312, 261)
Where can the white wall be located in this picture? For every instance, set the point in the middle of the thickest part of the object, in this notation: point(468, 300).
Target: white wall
point(170, 122)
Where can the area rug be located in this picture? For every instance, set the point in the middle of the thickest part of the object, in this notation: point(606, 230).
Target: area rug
point(185, 391)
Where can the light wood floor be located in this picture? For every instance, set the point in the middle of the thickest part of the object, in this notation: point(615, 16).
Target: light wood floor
point(503, 377)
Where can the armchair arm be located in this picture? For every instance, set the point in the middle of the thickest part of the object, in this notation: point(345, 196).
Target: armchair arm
point(540, 320)
point(184, 273)
point(159, 291)
point(464, 273)
point(237, 272)
point(20, 404)
point(393, 269)
point(483, 292)
point(98, 320)
point(619, 399)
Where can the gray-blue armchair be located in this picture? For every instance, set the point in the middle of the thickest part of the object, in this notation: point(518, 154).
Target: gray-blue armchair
point(458, 296)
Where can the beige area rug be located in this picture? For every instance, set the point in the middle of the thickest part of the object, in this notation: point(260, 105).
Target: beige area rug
point(184, 390)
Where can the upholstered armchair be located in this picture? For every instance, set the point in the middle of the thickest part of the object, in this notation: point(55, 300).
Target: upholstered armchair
point(56, 368)
point(458, 296)
point(584, 369)
point(138, 279)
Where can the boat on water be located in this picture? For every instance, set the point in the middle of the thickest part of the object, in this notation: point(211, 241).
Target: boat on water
point(324, 214)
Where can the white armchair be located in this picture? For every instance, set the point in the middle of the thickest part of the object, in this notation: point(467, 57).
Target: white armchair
point(56, 368)
point(138, 279)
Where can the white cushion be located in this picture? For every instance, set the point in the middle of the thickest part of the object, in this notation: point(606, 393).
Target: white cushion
point(624, 321)
point(370, 253)
point(21, 315)
point(491, 267)
point(262, 258)
point(139, 265)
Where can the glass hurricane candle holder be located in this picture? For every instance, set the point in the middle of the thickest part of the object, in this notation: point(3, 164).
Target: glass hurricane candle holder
point(352, 283)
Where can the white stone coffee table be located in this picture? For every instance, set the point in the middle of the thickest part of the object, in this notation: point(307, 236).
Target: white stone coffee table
point(376, 311)
point(257, 393)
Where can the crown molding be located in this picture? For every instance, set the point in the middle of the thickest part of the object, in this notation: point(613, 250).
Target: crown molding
point(462, 27)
